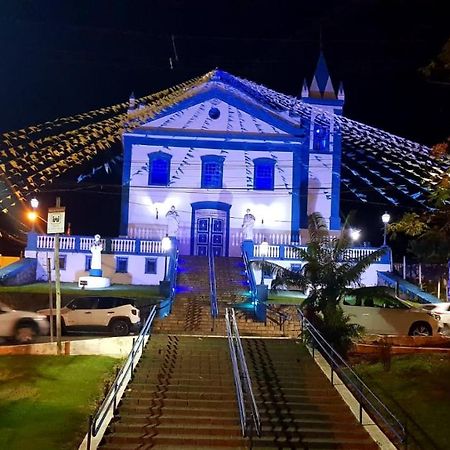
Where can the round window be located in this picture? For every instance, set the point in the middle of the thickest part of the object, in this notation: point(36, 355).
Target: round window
point(214, 113)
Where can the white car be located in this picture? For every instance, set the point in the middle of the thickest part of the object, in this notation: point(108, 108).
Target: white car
point(441, 312)
point(114, 314)
point(21, 326)
point(383, 313)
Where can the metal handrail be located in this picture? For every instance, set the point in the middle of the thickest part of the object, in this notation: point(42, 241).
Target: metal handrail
point(250, 276)
point(246, 377)
point(236, 374)
point(212, 285)
point(283, 317)
point(362, 391)
point(110, 400)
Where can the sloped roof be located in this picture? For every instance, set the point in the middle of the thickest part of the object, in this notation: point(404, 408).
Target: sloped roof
point(376, 165)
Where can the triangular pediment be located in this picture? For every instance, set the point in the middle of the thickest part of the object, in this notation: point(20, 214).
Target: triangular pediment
point(219, 113)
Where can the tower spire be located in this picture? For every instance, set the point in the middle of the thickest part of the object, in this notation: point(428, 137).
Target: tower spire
point(321, 85)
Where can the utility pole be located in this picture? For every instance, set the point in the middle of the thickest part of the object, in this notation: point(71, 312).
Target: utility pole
point(50, 295)
point(58, 287)
point(55, 225)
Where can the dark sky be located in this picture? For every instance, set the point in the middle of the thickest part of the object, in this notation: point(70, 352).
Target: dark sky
point(63, 57)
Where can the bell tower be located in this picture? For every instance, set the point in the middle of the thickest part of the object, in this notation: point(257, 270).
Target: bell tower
point(324, 145)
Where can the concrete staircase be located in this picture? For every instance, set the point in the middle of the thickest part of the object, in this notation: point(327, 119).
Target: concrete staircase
point(182, 397)
point(299, 408)
point(191, 311)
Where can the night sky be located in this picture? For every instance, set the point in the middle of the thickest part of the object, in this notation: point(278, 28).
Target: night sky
point(64, 57)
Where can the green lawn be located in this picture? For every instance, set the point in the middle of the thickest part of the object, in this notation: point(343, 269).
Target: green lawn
point(286, 298)
point(45, 401)
point(417, 391)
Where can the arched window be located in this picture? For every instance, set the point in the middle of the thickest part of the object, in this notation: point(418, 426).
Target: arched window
point(263, 178)
point(212, 171)
point(159, 169)
point(321, 134)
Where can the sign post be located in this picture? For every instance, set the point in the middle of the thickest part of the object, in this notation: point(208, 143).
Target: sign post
point(55, 225)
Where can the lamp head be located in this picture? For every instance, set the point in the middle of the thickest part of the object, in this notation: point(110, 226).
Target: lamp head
point(34, 202)
point(264, 248)
point(355, 234)
point(385, 218)
point(166, 244)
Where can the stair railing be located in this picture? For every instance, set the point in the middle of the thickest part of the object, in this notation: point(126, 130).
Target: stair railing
point(212, 286)
point(241, 372)
point(250, 276)
point(365, 397)
point(107, 410)
point(278, 317)
point(236, 374)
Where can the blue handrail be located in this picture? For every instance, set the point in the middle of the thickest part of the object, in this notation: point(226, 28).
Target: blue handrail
point(242, 376)
point(250, 276)
point(374, 406)
point(212, 285)
point(124, 375)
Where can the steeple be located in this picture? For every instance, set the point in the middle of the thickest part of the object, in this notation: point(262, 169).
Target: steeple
point(305, 91)
point(341, 93)
point(321, 85)
point(132, 102)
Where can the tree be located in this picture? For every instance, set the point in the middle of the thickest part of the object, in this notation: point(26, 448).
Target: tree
point(327, 275)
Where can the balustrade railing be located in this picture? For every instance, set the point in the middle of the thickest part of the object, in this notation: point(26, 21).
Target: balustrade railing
point(84, 244)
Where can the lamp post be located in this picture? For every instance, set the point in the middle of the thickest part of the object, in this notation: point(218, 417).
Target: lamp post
point(32, 215)
point(263, 250)
point(385, 218)
point(166, 246)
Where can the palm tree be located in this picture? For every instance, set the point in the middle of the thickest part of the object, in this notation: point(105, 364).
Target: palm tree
point(327, 275)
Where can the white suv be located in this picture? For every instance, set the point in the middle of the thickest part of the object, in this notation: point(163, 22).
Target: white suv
point(21, 326)
point(114, 314)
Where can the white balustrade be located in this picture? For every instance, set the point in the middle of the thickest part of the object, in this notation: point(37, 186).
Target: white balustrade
point(123, 245)
point(150, 247)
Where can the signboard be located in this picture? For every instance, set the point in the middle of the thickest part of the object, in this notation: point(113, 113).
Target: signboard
point(55, 220)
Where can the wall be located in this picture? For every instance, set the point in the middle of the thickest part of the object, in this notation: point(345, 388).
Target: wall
point(75, 264)
point(149, 205)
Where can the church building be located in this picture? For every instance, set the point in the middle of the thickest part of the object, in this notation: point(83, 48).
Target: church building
point(229, 152)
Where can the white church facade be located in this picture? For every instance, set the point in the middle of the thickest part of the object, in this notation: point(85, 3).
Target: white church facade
point(230, 162)
point(225, 150)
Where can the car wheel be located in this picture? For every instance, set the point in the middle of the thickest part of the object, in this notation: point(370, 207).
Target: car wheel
point(420, 329)
point(120, 328)
point(25, 333)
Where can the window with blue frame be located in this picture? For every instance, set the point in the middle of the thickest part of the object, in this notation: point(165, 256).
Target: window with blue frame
point(212, 171)
point(263, 177)
point(121, 264)
point(87, 263)
point(159, 169)
point(150, 266)
point(62, 262)
point(321, 137)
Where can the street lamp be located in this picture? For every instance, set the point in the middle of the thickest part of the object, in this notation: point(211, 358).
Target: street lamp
point(385, 218)
point(166, 246)
point(32, 215)
point(355, 234)
point(263, 251)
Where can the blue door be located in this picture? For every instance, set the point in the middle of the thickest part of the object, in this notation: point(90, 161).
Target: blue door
point(210, 233)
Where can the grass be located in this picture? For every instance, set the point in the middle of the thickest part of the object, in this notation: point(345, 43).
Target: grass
point(72, 288)
point(286, 298)
point(416, 389)
point(45, 401)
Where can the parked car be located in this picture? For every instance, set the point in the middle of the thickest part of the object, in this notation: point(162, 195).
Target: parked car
point(441, 312)
point(117, 315)
point(21, 326)
point(384, 313)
